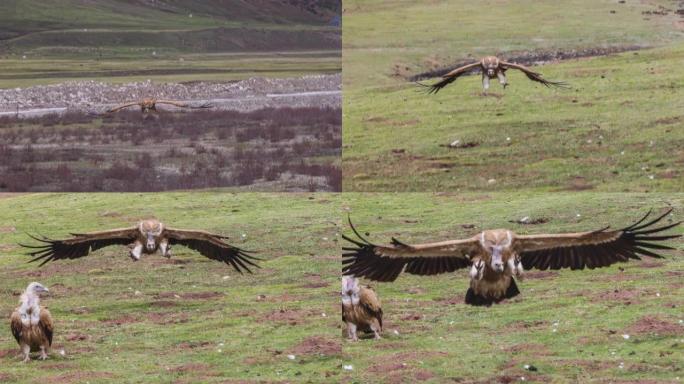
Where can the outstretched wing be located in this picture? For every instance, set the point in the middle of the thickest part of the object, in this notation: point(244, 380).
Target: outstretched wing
point(45, 324)
point(593, 249)
point(213, 247)
point(16, 326)
point(385, 263)
point(120, 107)
point(534, 76)
point(451, 77)
point(184, 105)
point(79, 245)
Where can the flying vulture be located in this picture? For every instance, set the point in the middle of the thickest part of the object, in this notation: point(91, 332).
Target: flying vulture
point(146, 237)
point(31, 324)
point(495, 257)
point(148, 105)
point(360, 308)
point(492, 68)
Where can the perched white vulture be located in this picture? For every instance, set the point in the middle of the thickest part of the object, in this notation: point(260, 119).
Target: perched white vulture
point(147, 237)
point(150, 105)
point(492, 68)
point(495, 257)
point(361, 308)
point(31, 324)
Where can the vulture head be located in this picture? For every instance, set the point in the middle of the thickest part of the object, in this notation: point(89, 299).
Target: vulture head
point(37, 289)
point(350, 290)
point(151, 230)
point(497, 249)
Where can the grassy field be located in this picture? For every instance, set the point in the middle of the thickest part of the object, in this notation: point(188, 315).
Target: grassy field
point(121, 41)
point(568, 324)
point(618, 129)
point(187, 319)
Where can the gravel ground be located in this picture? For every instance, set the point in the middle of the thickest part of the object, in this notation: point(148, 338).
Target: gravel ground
point(246, 95)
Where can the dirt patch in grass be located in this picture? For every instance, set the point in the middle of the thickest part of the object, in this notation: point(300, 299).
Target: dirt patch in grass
point(163, 303)
point(650, 264)
point(9, 352)
point(125, 319)
point(532, 348)
point(77, 377)
point(540, 275)
point(168, 318)
point(77, 336)
point(289, 316)
point(623, 296)
point(6, 377)
point(528, 58)
point(317, 345)
point(8, 229)
point(653, 325)
point(188, 295)
point(193, 344)
point(314, 281)
point(191, 367)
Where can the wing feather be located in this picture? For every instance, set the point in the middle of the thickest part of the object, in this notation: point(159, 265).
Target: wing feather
point(385, 263)
point(120, 107)
point(534, 76)
point(450, 77)
point(79, 245)
point(45, 324)
point(183, 105)
point(596, 248)
point(212, 246)
point(16, 325)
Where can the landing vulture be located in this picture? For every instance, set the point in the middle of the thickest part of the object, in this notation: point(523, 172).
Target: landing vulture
point(495, 257)
point(31, 323)
point(150, 105)
point(492, 68)
point(147, 237)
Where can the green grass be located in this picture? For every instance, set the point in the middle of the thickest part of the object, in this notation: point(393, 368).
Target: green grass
point(617, 129)
point(440, 339)
point(234, 333)
point(121, 41)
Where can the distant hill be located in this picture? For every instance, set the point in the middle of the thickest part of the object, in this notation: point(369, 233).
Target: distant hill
point(53, 27)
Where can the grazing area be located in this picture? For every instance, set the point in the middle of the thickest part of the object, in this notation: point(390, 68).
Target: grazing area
point(165, 40)
point(275, 149)
point(619, 324)
point(619, 127)
point(188, 318)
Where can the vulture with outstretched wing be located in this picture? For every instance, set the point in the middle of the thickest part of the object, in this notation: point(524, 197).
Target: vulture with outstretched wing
point(495, 257)
point(491, 68)
point(150, 105)
point(147, 237)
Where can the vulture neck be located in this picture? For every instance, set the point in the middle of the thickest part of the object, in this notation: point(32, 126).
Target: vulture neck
point(30, 308)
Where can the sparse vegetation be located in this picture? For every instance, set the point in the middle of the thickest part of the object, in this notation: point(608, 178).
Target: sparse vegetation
point(273, 149)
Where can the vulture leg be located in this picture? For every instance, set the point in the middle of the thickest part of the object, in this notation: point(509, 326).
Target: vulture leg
point(374, 328)
point(502, 78)
point(43, 353)
point(485, 83)
point(26, 350)
point(136, 252)
point(351, 331)
point(165, 248)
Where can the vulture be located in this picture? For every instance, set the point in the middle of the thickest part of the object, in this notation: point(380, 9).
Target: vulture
point(31, 324)
point(360, 308)
point(146, 237)
point(496, 257)
point(491, 68)
point(148, 105)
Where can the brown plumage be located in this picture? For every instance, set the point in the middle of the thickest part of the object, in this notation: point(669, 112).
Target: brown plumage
point(147, 237)
point(361, 309)
point(32, 324)
point(492, 68)
point(495, 257)
point(150, 105)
